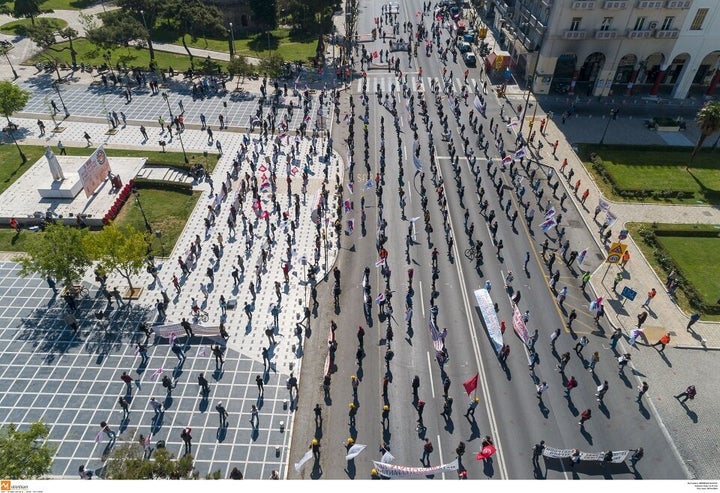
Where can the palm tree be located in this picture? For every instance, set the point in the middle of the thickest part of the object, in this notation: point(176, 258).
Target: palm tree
point(708, 120)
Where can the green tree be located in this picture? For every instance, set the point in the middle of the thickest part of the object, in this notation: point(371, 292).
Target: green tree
point(196, 19)
point(272, 64)
point(310, 17)
point(239, 66)
point(708, 120)
point(24, 454)
point(58, 253)
point(43, 34)
point(126, 461)
point(119, 250)
point(264, 13)
point(119, 28)
point(12, 99)
point(27, 8)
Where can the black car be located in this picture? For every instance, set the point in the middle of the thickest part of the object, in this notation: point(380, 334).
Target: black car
point(469, 59)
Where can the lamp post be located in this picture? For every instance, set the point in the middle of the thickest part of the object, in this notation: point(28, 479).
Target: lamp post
point(56, 86)
point(613, 114)
point(150, 46)
point(179, 133)
point(231, 41)
point(142, 211)
point(5, 52)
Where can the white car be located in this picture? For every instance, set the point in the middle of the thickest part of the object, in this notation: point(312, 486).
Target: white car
point(391, 8)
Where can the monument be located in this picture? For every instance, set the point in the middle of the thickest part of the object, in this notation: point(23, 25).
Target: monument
point(60, 187)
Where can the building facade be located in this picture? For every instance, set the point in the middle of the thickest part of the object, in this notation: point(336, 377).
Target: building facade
point(665, 48)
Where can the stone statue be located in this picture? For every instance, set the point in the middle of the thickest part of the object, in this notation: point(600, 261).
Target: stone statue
point(55, 169)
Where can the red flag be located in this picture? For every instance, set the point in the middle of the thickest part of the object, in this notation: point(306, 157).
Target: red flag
point(471, 384)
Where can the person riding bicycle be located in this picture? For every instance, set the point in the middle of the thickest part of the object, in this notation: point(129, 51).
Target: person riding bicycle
point(194, 307)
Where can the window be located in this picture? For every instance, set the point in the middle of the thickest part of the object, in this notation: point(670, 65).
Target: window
point(606, 23)
point(575, 24)
point(698, 20)
point(667, 23)
point(639, 23)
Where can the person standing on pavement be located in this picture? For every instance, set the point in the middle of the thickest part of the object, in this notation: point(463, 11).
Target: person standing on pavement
point(540, 389)
point(664, 341)
point(471, 408)
point(594, 359)
point(554, 337)
point(571, 384)
point(642, 389)
point(222, 414)
point(693, 319)
point(641, 318)
point(125, 406)
point(427, 450)
point(584, 416)
point(651, 294)
point(689, 393)
point(203, 383)
point(601, 391)
point(187, 439)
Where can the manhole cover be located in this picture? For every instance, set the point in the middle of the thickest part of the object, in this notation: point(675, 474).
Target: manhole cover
point(707, 213)
point(600, 256)
point(574, 223)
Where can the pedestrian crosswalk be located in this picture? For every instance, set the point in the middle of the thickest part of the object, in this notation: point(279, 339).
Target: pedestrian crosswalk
point(391, 83)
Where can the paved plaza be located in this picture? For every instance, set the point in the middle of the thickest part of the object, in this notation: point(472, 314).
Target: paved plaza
point(72, 381)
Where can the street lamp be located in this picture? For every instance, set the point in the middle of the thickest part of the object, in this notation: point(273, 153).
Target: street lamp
point(15, 75)
point(613, 115)
point(142, 211)
point(165, 97)
point(232, 41)
point(179, 133)
point(56, 86)
point(149, 39)
point(9, 129)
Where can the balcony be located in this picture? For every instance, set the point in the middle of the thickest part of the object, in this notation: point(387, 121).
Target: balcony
point(679, 4)
point(609, 34)
point(615, 5)
point(667, 34)
point(642, 34)
point(581, 34)
point(582, 5)
point(650, 4)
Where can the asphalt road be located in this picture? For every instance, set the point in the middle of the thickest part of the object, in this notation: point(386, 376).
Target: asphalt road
point(508, 410)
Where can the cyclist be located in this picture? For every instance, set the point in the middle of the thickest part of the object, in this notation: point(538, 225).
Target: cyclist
point(478, 251)
point(194, 307)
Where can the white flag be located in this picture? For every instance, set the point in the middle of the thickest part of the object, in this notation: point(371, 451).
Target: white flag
point(355, 451)
point(308, 455)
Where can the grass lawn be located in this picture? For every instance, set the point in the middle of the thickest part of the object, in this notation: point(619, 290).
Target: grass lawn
point(56, 4)
point(291, 48)
point(697, 258)
point(12, 167)
point(656, 169)
point(167, 211)
point(19, 27)
point(92, 54)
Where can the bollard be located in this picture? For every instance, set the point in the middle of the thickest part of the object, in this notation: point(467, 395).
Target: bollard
point(282, 429)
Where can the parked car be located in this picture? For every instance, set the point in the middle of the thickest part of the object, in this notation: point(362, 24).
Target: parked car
point(469, 59)
point(464, 46)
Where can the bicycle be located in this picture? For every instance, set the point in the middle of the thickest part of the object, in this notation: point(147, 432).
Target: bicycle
point(199, 314)
point(472, 254)
point(75, 291)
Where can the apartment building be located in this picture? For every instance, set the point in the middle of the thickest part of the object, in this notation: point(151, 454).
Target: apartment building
point(668, 48)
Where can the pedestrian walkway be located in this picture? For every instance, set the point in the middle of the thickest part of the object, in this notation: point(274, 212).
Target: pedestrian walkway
point(257, 315)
